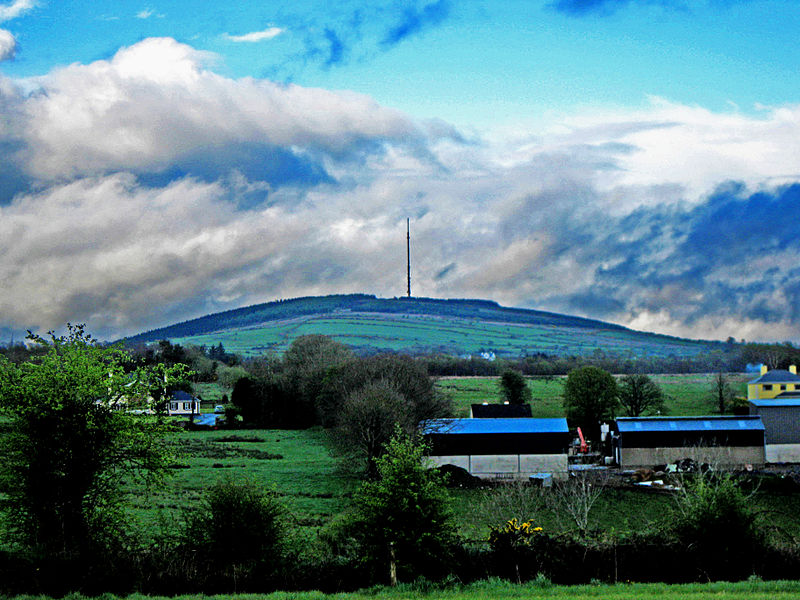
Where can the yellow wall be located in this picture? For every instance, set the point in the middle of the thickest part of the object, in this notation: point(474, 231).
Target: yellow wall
point(756, 391)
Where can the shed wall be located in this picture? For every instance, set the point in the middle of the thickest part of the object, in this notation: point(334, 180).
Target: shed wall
point(727, 456)
point(781, 423)
point(507, 466)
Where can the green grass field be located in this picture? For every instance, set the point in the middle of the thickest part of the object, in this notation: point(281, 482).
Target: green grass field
point(688, 394)
point(300, 468)
point(456, 336)
point(541, 590)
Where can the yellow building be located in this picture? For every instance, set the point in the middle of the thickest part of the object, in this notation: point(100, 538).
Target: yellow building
point(774, 384)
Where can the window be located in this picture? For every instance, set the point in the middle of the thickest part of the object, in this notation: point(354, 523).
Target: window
point(173, 406)
point(783, 388)
point(767, 387)
point(187, 406)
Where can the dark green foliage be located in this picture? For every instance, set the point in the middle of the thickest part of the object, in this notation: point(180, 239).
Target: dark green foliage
point(638, 394)
point(238, 528)
point(66, 452)
point(590, 396)
point(404, 513)
point(715, 523)
point(514, 388)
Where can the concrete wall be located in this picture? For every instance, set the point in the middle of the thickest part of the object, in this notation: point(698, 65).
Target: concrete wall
point(726, 456)
point(783, 453)
point(507, 466)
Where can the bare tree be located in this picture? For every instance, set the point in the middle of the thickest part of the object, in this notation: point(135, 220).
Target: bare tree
point(573, 499)
point(721, 392)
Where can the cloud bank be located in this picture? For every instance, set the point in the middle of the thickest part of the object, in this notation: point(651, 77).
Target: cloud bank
point(147, 189)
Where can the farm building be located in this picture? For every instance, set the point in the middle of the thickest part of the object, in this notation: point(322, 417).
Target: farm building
point(499, 411)
point(777, 383)
point(723, 441)
point(510, 448)
point(781, 418)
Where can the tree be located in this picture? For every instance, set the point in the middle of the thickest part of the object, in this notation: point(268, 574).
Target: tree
point(514, 388)
point(306, 362)
point(403, 521)
point(238, 528)
point(590, 396)
point(721, 392)
point(368, 419)
point(638, 394)
point(66, 452)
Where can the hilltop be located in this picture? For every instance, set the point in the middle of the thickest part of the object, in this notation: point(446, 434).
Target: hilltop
point(418, 325)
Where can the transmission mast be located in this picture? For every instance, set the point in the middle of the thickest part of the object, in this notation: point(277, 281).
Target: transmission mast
point(408, 253)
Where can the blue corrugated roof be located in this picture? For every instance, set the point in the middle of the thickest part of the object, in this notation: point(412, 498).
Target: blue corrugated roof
point(473, 426)
point(711, 423)
point(789, 401)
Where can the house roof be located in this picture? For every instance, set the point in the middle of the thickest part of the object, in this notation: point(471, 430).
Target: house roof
point(777, 401)
point(496, 411)
point(777, 376)
point(181, 396)
point(710, 423)
point(483, 426)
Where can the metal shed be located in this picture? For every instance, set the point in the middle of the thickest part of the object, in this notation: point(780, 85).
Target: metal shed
point(724, 441)
point(505, 448)
point(781, 418)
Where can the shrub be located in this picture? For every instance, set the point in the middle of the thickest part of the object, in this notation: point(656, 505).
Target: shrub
point(238, 530)
point(717, 525)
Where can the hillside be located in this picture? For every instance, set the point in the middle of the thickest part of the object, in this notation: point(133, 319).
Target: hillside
point(417, 325)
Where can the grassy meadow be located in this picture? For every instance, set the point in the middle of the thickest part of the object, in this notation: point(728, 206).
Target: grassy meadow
point(448, 334)
point(502, 590)
point(316, 487)
point(688, 395)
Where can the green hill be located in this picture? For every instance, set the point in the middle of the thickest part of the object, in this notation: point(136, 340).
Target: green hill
point(417, 325)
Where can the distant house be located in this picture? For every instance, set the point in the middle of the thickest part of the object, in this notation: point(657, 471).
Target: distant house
point(182, 403)
point(781, 418)
point(722, 441)
point(777, 383)
point(509, 448)
point(499, 411)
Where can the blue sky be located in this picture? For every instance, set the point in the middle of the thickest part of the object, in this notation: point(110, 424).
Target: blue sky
point(633, 161)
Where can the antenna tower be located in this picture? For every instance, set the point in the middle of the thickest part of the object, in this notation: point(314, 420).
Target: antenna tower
point(408, 253)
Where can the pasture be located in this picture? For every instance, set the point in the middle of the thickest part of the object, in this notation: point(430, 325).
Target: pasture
point(448, 334)
point(502, 590)
point(687, 394)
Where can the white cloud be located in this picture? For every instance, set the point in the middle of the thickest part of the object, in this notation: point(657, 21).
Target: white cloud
point(15, 9)
point(594, 205)
point(8, 45)
point(154, 103)
point(256, 36)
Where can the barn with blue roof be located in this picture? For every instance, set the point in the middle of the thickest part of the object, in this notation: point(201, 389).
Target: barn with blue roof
point(510, 448)
point(724, 441)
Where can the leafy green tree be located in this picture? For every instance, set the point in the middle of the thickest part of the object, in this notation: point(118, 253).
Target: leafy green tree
point(590, 396)
point(66, 451)
point(403, 521)
point(238, 528)
point(638, 394)
point(514, 388)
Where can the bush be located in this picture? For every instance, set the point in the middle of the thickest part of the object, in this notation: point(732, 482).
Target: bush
point(716, 524)
point(238, 531)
